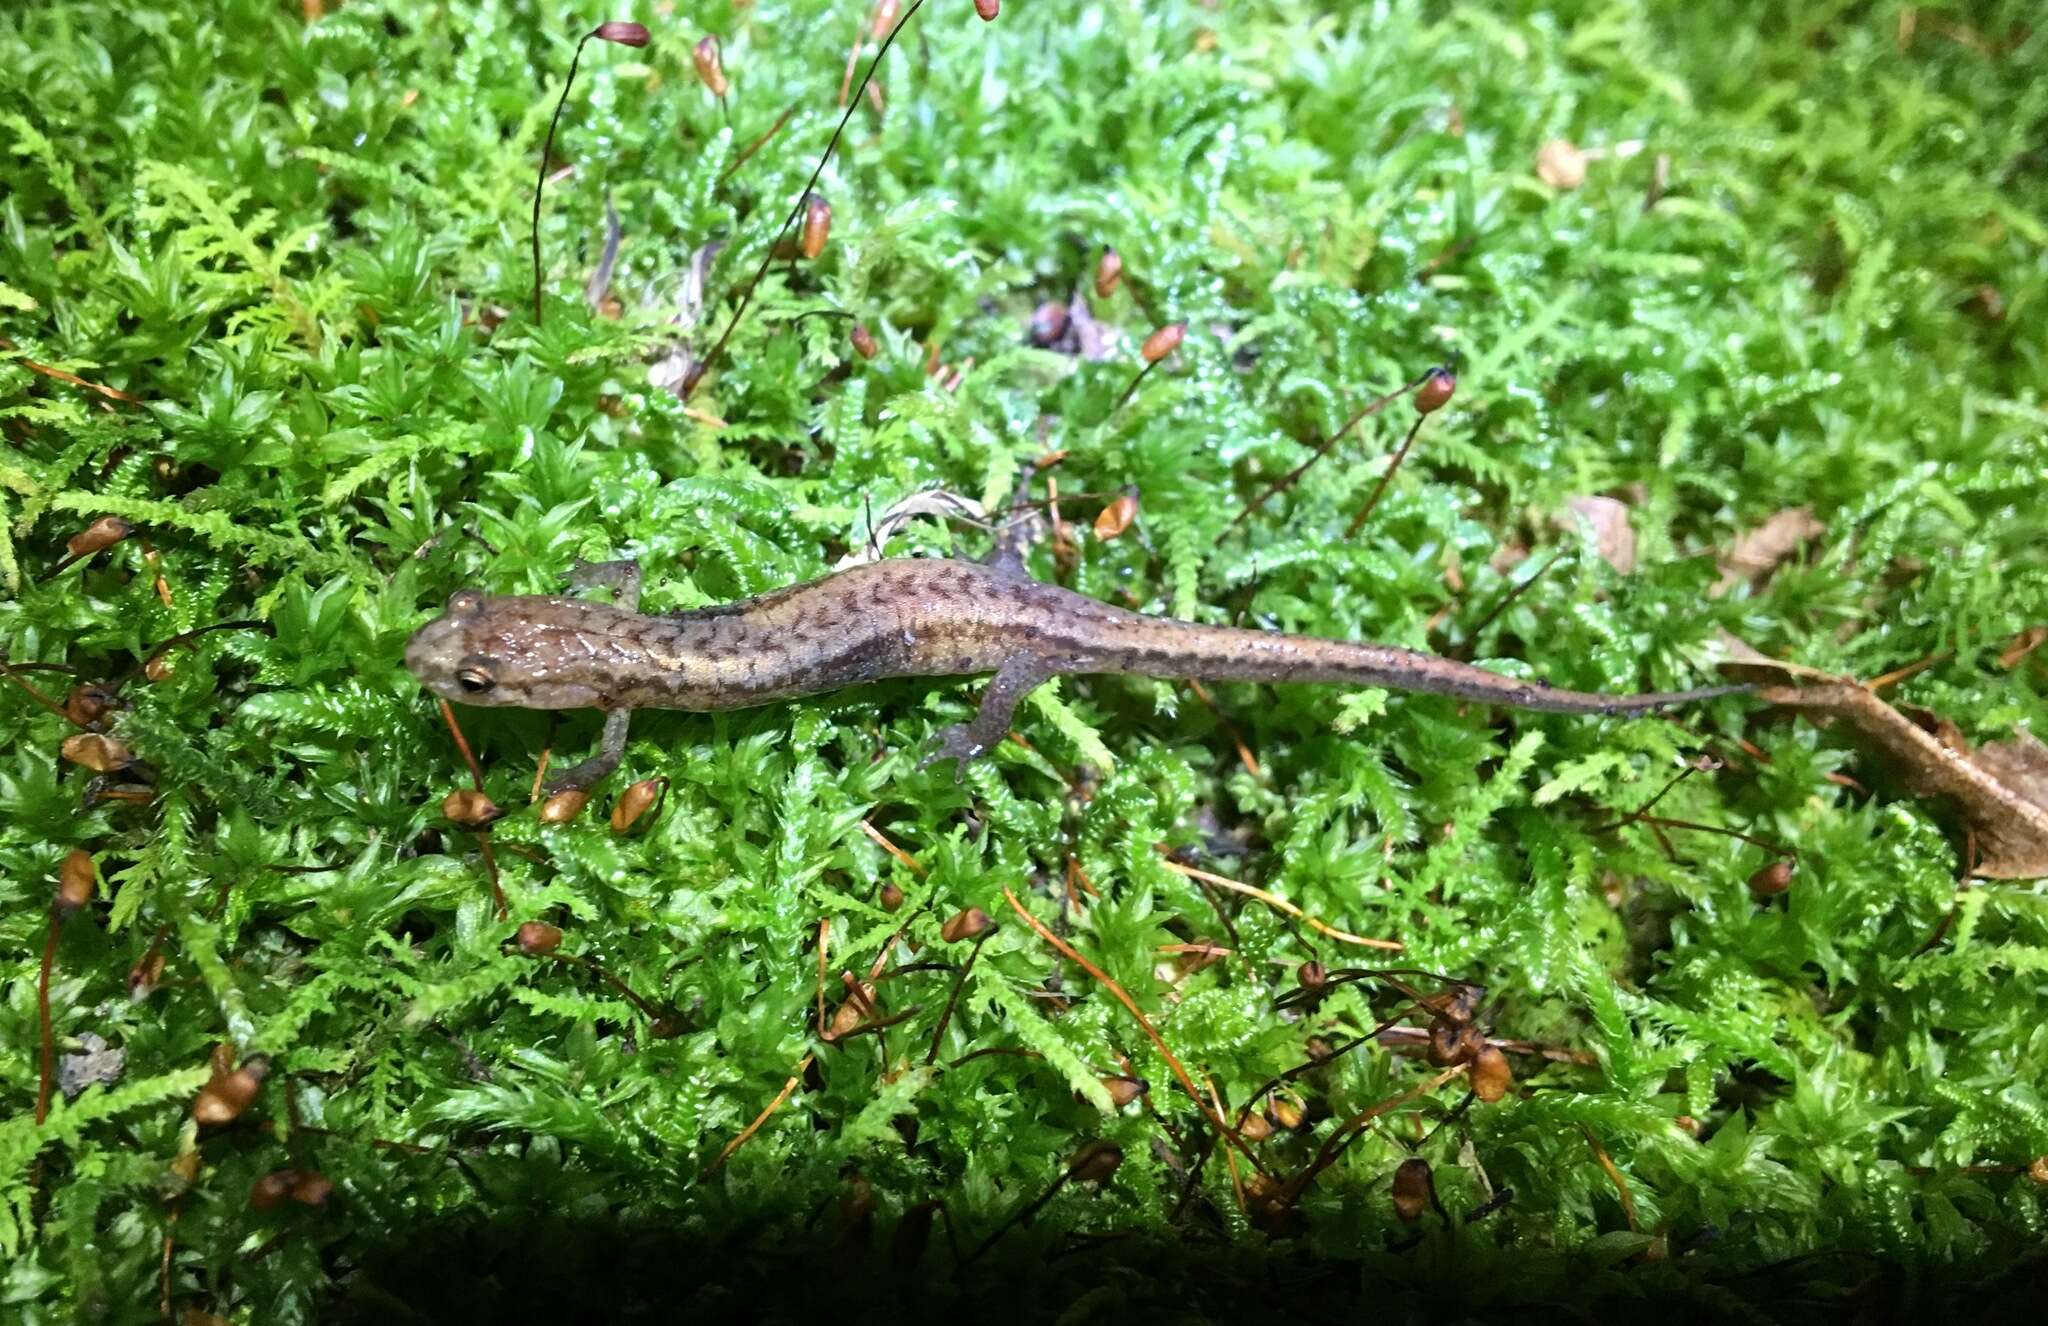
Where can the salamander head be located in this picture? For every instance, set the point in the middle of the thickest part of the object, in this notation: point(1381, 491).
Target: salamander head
point(500, 651)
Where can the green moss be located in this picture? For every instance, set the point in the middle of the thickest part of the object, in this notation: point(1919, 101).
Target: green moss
point(303, 248)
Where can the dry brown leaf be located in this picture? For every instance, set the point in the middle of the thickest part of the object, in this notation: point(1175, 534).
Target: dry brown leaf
point(1999, 789)
point(1758, 553)
point(1612, 534)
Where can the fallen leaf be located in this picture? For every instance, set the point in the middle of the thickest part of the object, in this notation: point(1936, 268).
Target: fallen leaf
point(1999, 790)
point(1756, 554)
point(1612, 534)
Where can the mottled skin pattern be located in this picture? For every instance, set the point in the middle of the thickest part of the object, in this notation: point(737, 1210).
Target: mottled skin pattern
point(905, 617)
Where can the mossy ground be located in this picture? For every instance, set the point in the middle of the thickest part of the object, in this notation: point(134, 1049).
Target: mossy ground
point(301, 246)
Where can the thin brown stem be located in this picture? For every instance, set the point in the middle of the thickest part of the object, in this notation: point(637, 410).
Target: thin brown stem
point(759, 1119)
point(1347, 1131)
point(1293, 476)
point(541, 175)
point(1379, 490)
point(953, 1000)
point(1144, 1024)
point(758, 143)
point(768, 257)
point(1507, 600)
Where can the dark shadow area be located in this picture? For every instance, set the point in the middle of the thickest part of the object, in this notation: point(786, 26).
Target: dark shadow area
point(548, 1267)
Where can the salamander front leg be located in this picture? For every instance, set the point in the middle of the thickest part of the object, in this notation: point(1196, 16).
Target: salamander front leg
point(611, 748)
point(622, 578)
point(965, 742)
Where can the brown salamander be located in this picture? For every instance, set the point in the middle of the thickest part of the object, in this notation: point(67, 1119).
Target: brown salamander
point(903, 617)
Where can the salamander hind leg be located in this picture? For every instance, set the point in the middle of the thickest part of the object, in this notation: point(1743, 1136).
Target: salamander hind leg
point(966, 742)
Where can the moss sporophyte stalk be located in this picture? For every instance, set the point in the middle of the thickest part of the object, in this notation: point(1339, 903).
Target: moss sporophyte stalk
point(1131, 360)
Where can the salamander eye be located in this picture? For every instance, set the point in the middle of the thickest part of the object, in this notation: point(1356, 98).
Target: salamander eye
point(475, 680)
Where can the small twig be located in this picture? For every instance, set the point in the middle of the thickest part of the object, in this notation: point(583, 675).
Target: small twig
point(1282, 905)
point(759, 1119)
point(703, 366)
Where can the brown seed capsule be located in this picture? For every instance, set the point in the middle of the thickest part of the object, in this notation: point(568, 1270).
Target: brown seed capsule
point(710, 67)
point(1491, 1076)
point(1772, 880)
point(1109, 273)
point(564, 806)
point(312, 1188)
point(222, 1099)
point(1115, 518)
point(1163, 342)
point(852, 1013)
point(97, 752)
point(1414, 1187)
point(988, 9)
point(1319, 1050)
point(1048, 322)
point(537, 938)
point(1123, 1090)
point(635, 802)
point(1443, 1042)
point(970, 924)
point(469, 809)
point(864, 341)
point(1435, 391)
point(625, 34)
point(75, 880)
point(2038, 1170)
point(1285, 1113)
point(1097, 1161)
point(1313, 975)
point(885, 17)
point(87, 704)
point(102, 534)
point(269, 1192)
point(1686, 1124)
point(1255, 1128)
point(891, 897)
point(817, 227)
point(145, 976)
